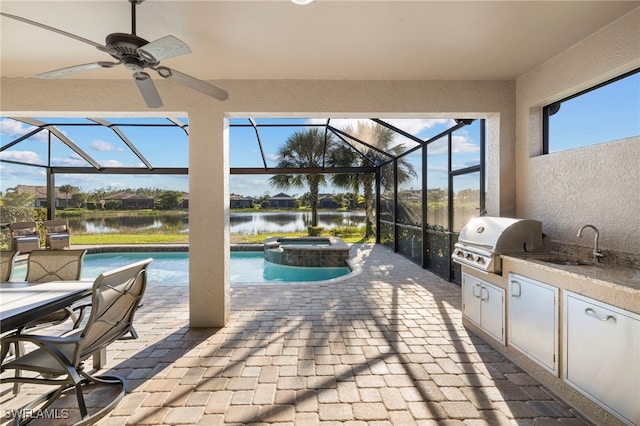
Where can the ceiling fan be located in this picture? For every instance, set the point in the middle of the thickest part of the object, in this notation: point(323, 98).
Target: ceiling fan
point(136, 54)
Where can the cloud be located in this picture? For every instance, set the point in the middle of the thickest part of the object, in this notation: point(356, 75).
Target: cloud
point(103, 146)
point(437, 167)
point(21, 156)
point(10, 128)
point(14, 175)
point(112, 163)
point(72, 160)
point(249, 185)
point(460, 144)
point(413, 126)
point(272, 157)
point(418, 125)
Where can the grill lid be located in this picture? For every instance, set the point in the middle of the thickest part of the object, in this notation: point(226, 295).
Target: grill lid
point(484, 238)
point(502, 235)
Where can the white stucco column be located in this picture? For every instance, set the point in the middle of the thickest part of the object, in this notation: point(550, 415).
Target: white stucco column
point(209, 301)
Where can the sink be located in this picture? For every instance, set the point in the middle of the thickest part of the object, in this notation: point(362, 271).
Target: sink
point(567, 262)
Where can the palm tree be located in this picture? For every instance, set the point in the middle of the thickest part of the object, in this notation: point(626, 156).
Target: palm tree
point(66, 190)
point(379, 137)
point(301, 150)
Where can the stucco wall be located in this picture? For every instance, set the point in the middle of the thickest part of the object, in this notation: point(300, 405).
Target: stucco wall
point(598, 185)
point(208, 147)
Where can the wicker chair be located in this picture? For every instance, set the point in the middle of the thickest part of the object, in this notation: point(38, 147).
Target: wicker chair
point(116, 296)
point(56, 234)
point(25, 237)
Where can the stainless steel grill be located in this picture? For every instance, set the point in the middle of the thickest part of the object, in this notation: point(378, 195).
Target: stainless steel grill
point(484, 239)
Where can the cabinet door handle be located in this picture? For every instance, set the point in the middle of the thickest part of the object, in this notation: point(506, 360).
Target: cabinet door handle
point(516, 289)
point(476, 286)
point(485, 289)
point(591, 313)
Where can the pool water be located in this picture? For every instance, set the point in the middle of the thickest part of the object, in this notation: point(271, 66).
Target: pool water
point(251, 267)
point(173, 268)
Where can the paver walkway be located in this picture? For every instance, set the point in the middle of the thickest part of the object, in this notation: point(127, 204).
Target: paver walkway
point(386, 347)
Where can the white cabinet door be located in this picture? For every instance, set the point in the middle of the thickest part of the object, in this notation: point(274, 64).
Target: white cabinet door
point(471, 287)
point(492, 311)
point(602, 354)
point(483, 304)
point(532, 318)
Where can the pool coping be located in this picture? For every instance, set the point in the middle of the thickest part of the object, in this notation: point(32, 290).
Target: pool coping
point(159, 247)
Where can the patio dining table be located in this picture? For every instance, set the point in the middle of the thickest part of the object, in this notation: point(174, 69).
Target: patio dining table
point(22, 302)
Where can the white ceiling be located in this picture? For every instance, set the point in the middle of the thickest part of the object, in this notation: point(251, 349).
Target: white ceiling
point(275, 39)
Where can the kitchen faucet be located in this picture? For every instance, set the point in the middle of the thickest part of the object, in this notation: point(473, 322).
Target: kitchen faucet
point(596, 252)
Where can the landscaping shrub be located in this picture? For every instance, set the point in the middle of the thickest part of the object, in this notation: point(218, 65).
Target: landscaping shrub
point(315, 231)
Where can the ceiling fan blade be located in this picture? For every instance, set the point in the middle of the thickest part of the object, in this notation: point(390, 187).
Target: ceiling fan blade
point(163, 48)
point(193, 83)
point(147, 89)
point(75, 69)
point(55, 30)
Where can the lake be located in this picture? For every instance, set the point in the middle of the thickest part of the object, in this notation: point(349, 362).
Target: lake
point(255, 223)
point(241, 223)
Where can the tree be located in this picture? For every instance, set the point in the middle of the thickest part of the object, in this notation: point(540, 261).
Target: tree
point(66, 190)
point(79, 198)
point(304, 149)
point(97, 197)
point(169, 200)
point(13, 199)
point(380, 139)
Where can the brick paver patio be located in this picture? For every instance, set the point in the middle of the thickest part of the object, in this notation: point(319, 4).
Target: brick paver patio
point(385, 347)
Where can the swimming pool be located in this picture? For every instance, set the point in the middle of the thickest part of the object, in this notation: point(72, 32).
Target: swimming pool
point(247, 267)
point(173, 268)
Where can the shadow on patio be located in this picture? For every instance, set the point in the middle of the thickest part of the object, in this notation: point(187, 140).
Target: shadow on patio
point(384, 347)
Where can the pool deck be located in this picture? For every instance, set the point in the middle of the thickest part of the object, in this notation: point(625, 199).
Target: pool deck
point(385, 347)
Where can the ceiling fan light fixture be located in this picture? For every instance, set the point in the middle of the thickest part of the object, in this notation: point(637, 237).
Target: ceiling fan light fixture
point(301, 2)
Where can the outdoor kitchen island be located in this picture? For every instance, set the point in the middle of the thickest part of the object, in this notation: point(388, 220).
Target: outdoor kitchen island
point(575, 327)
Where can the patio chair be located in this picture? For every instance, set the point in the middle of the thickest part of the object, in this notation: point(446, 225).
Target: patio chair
point(116, 295)
point(65, 265)
point(25, 237)
point(56, 234)
point(44, 266)
point(7, 259)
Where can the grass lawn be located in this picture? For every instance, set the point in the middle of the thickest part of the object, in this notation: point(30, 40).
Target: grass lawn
point(95, 239)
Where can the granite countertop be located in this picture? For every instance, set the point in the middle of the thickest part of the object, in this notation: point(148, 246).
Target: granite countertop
point(610, 275)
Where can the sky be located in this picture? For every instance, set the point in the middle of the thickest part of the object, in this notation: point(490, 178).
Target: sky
point(610, 113)
point(108, 150)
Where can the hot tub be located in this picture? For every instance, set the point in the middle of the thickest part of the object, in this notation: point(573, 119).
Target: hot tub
point(307, 251)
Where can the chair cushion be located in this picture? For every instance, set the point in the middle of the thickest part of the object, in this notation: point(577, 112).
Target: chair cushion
point(26, 239)
point(55, 229)
point(59, 236)
point(24, 231)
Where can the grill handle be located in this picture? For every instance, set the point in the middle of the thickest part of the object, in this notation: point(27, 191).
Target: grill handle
point(476, 244)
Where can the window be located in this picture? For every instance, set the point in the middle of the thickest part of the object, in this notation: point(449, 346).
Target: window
point(605, 113)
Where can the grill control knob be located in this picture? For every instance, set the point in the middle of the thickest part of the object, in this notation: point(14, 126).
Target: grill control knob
point(469, 256)
point(459, 253)
point(480, 260)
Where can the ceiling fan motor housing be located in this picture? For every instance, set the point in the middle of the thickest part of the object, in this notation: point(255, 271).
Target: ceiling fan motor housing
point(124, 47)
